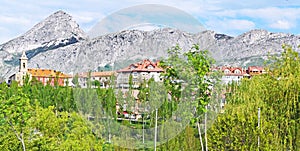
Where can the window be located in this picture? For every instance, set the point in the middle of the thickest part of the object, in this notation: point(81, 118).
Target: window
point(226, 71)
point(134, 74)
point(237, 71)
point(150, 67)
point(24, 65)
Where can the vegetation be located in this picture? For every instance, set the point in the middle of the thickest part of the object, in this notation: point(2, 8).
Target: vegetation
point(276, 94)
point(38, 117)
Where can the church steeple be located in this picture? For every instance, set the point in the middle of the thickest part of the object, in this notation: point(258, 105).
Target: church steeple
point(23, 63)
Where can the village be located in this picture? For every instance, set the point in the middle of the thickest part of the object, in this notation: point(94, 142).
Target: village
point(143, 70)
point(140, 71)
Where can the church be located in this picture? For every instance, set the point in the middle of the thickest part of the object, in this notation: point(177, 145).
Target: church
point(46, 76)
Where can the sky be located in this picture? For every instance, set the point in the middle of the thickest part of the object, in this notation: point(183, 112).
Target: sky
point(231, 17)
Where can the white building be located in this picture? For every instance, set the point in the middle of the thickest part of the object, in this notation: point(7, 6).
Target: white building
point(141, 71)
point(103, 78)
point(232, 74)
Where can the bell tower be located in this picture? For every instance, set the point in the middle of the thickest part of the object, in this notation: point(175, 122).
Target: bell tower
point(23, 63)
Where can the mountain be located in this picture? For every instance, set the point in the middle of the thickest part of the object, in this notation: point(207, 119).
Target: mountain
point(58, 43)
point(56, 31)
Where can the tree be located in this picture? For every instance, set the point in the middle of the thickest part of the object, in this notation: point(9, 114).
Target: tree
point(186, 76)
point(15, 113)
point(75, 80)
point(277, 95)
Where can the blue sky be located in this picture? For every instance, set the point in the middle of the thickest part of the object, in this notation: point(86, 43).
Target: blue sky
point(231, 17)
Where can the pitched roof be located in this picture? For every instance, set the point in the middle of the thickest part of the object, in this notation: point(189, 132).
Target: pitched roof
point(143, 66)
point(24, 57)
point(47, 73)
point(257, 68)
point(231, 71)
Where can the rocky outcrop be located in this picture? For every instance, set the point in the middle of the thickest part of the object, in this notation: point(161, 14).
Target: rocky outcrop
point(56, 31)
point(58, 43)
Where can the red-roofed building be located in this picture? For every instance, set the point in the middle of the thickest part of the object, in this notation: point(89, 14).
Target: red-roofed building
point(46, 76)
point(143, 70)
point(231, 74)
point(255, 70)
point(235, 74)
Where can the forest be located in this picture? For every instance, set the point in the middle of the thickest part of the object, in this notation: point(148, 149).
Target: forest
point(261, 113)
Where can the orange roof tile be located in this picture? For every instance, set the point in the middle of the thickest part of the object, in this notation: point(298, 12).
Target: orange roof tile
point(47, 73)
point(143, 66)
point(251, 68)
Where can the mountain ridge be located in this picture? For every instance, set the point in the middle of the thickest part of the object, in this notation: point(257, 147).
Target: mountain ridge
point(62, 45)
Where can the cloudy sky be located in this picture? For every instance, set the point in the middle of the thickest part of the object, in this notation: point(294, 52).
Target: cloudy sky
point(231, 17)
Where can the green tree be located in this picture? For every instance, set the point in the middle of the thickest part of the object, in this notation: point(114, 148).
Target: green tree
point(186, 73)
point(15, 113)
point(277, 95)
point(75, 80)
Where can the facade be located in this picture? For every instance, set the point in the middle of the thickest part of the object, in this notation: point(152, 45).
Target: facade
point(46, 76)
point(235, 74)
point(141, 71)
point(104, 78)
point(255, 70)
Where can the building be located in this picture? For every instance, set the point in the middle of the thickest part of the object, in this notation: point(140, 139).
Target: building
point(103, 78)
point(235, 74)
point(255, 70)
point(46, 76)
point(141, 71)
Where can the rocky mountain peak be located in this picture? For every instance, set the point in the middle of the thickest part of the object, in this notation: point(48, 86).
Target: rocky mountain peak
point(57, 28)
point(60, 13)
point(58, 43)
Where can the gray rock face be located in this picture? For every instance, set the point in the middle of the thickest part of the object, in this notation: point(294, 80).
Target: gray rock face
point(255, 46)
point(58, 43)
point(58, 28)
point(56, 31)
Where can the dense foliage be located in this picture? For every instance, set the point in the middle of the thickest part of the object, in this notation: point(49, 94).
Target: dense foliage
point(277, 96)
point(35, 117)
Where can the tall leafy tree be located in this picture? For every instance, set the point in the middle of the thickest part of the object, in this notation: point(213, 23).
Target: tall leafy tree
point(186, 73)
point(15, 113)
point(277, 95)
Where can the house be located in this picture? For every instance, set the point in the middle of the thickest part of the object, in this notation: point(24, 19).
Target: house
point(231, 74)
point(255, 70)
point(104, 78)
point(46, 76)
point(235, 74)
point(143, 70)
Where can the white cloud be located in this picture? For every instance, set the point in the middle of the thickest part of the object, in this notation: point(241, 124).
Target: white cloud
point(274, 17)
point(231, 26)
point(240, 24)
point(267, 17)
point(87, 19)
point(282, 24)
point(272, 13)
point(20, 15)
point(14, 20)
point(13, 26)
